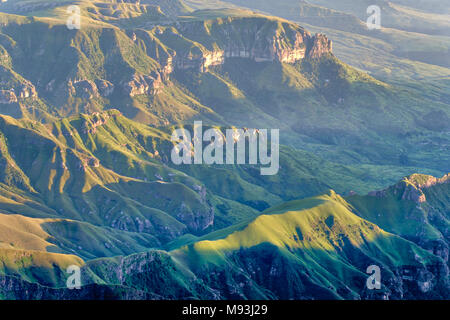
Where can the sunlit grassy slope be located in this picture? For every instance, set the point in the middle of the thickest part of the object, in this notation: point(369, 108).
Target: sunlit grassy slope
point(315, 248)
point(48, 269)
point(318, 240)
point(107, 170)
point(325, 223)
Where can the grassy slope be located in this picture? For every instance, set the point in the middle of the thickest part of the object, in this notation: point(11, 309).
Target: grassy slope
point(106, 171)
point(84, 167)
point(318, 237)
point(312, 248)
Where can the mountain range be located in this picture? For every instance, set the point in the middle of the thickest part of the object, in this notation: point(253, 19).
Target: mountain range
point(86, 178)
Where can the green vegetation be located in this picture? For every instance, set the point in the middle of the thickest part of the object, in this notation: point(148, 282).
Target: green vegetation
point(86, 177)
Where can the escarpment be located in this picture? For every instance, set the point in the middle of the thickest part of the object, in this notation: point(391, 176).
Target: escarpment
point(258, 39)
point(49, 71)
point(93, 68)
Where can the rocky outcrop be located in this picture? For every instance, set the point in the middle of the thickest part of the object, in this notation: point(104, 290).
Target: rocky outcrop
point(105, 88)
point(320, 45)
point(197, 221)
point(86, 89)
point(412, 282)
point(409, 192)
point(14, 86)
point(412, 188)
point(428, 212)
point(17, 289)
point(97, 120)
point(143, 84)
point(258, 39)
point(7, 97)
point(199, 61)
point(428, 181)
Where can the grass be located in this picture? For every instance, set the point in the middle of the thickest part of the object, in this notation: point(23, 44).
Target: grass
point(302, 236)
point(99, 184)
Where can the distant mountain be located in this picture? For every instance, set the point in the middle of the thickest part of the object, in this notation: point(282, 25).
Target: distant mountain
point(407, 15)
point(412, 45)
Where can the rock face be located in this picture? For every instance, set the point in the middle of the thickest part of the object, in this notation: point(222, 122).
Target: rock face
point(410, 192)
point(199, 61)
point(253, 38)
point(86, 89)
point(97, 120)
point(122, 65)
point(143, 84)
point(15, 87)
point(104, 87)
point(320, 46)
point(199, 45)
point(421, 201)
point(412, 188)
point(412, 282)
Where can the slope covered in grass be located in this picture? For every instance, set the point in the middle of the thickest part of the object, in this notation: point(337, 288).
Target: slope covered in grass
point(315, 248)
point(316, 243)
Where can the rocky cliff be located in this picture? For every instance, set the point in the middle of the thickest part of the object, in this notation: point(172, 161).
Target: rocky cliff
point(94, 68)
point(412, 188)
point(258, 39)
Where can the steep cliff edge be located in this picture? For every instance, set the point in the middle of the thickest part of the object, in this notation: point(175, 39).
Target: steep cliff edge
point(257, 38)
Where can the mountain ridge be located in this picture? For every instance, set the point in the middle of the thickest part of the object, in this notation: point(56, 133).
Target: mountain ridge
point(86, 177)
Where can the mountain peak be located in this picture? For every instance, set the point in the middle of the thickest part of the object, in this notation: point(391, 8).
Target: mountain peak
point(421, 181)
point(412, 187)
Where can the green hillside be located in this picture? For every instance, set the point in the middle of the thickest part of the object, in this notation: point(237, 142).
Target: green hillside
point(315, 248)
point(316, 243)
point(86, 176)
point(107, 170)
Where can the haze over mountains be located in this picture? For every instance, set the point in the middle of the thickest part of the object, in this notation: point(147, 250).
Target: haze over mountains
point(85, 142)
